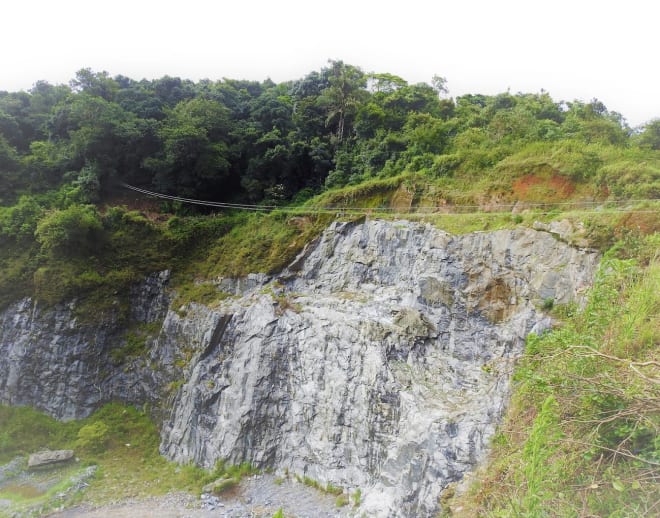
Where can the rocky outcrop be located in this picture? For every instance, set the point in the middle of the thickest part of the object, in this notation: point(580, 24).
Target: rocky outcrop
point(48, 458)
point(379, 360)
point(52, 360)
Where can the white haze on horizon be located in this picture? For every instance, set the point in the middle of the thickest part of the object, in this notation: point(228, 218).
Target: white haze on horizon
point(572, 49)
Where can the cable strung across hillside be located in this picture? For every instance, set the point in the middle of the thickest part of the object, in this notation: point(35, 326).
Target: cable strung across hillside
point(582, 206)
point(239, 206)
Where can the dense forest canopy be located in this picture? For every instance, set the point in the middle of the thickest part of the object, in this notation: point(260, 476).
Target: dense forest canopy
point(233, 140)
point(336, 136)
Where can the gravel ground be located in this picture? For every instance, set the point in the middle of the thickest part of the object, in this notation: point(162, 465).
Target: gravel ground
point(8, 471)
point(259, 496)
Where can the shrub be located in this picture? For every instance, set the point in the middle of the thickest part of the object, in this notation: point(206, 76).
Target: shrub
point(75, 230)
point(20, 221)
point(88, 184)
point(93, 438)
point(548, 304)
point(445, 165)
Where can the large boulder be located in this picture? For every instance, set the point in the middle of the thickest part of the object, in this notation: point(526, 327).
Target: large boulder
point(47, 458)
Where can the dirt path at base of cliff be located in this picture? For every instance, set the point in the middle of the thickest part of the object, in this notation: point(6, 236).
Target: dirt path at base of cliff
point(259, 496)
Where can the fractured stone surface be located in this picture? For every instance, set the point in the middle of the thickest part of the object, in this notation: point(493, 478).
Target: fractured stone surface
point(380, 360)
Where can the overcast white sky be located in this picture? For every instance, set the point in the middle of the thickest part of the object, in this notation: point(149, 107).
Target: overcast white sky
point(574, 49)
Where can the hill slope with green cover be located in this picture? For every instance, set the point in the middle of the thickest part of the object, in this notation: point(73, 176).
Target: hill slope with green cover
point(581, 437)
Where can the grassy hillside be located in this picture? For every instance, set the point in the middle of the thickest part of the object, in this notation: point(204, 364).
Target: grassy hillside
point(581, 434)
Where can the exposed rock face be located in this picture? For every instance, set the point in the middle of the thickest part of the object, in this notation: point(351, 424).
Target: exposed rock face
point(47, 458)
point(54, 362)
point(379, 360)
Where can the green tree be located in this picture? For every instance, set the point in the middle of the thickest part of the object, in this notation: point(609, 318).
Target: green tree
point(69, 232)
point(273, 108)
point(439, 84)
point(650, 136)
point(10, 130)
point(96, 131)
point(401, 102)
point(46, 163)
point(343, 96)
point(19, 221)
point(195, 155)
point(44, 97)
point(593, 123)
point(10, 179)
point(386, 83)
point(8, 156)
point(97, 84)
point(14, 119)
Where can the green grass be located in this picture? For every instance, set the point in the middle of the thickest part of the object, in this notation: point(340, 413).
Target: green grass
point(582, 435)
point(200, 248)
point(225, 477)
point(200, 292)
point(259, 243)
point(121, 440)
point(482, 172)
point(371, 193)
point(357, 497)
point(24, 430)
point(329, 488)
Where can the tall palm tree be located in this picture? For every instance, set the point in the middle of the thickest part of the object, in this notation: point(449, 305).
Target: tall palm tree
point(344, 94)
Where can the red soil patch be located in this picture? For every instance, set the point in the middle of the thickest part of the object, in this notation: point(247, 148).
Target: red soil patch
point(643, 223)
point(149, 207)
point(562, 185)
point(522, 185)
point(532, 187)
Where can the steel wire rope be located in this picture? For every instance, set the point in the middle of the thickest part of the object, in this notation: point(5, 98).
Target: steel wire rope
point(580, 206)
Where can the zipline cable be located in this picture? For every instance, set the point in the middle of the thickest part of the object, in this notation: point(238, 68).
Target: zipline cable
point(595, 206)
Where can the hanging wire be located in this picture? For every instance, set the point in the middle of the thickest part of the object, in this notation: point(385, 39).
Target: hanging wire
point(588, 207)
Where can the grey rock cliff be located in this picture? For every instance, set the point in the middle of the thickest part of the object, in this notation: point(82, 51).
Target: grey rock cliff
point(51, 360)
point(380, 359)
